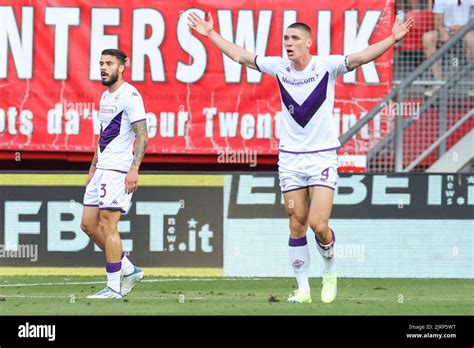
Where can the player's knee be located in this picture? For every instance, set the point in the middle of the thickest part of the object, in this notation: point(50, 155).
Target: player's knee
point(298, 225)
point(106, 227)
point(319, 225)
point(87, 228)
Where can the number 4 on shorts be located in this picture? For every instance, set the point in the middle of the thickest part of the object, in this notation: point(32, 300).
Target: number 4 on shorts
point(325, 173)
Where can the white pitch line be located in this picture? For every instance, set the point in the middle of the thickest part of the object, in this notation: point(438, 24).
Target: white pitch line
point(157, 280)
point(159, 298)
point(47, 284)
point(67, 297)
point(264, 298)
point(404, 300)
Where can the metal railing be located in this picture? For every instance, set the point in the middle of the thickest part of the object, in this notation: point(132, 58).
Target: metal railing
point(439, 141)
point(411, 133)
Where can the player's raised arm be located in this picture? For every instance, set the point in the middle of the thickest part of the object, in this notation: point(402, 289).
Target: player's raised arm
point(206, 28)
point(376, 50)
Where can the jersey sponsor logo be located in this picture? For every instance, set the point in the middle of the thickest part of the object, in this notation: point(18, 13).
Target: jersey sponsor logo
point(108, 109)
point(298, 82)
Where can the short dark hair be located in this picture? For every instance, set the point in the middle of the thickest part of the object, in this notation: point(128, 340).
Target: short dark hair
point(120, 55)
point(302, 26)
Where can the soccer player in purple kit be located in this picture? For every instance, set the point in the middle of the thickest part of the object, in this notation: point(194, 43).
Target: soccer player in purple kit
point(307, 163)
point(113, 174)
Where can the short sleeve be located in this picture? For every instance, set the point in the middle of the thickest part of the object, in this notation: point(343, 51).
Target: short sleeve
point(269, 65)
point(135, 109)
point(337, 64)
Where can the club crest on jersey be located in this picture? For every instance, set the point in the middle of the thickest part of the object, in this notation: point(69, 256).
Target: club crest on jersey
point(288, 69)
point(298, 264)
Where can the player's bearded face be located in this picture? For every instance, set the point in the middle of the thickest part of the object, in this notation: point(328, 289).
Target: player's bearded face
point(109, 70)
point(109, 77)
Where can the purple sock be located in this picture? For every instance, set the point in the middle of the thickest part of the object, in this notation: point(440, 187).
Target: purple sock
point(297, 242)
point(113, 275)
point(325, 247)
point(111, 267)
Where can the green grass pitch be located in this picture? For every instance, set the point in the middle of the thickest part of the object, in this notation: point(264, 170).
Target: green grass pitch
point(59, 295)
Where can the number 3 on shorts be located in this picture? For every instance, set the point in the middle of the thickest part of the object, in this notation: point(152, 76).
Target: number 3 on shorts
point(102, 190)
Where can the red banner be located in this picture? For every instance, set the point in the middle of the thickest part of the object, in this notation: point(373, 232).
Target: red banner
point(197, 100)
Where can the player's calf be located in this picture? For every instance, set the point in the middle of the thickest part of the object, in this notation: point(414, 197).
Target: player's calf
point(94, 233)
point(113, 248)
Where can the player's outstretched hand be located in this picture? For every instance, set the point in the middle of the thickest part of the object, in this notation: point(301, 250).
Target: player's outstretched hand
point(400, 30)
point(200, 25)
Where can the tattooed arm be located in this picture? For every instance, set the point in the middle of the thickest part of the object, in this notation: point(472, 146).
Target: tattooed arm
point(141, 133)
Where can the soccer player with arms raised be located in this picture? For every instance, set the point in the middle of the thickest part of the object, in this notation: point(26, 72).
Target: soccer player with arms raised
point(307, 163)
point(113, 175)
